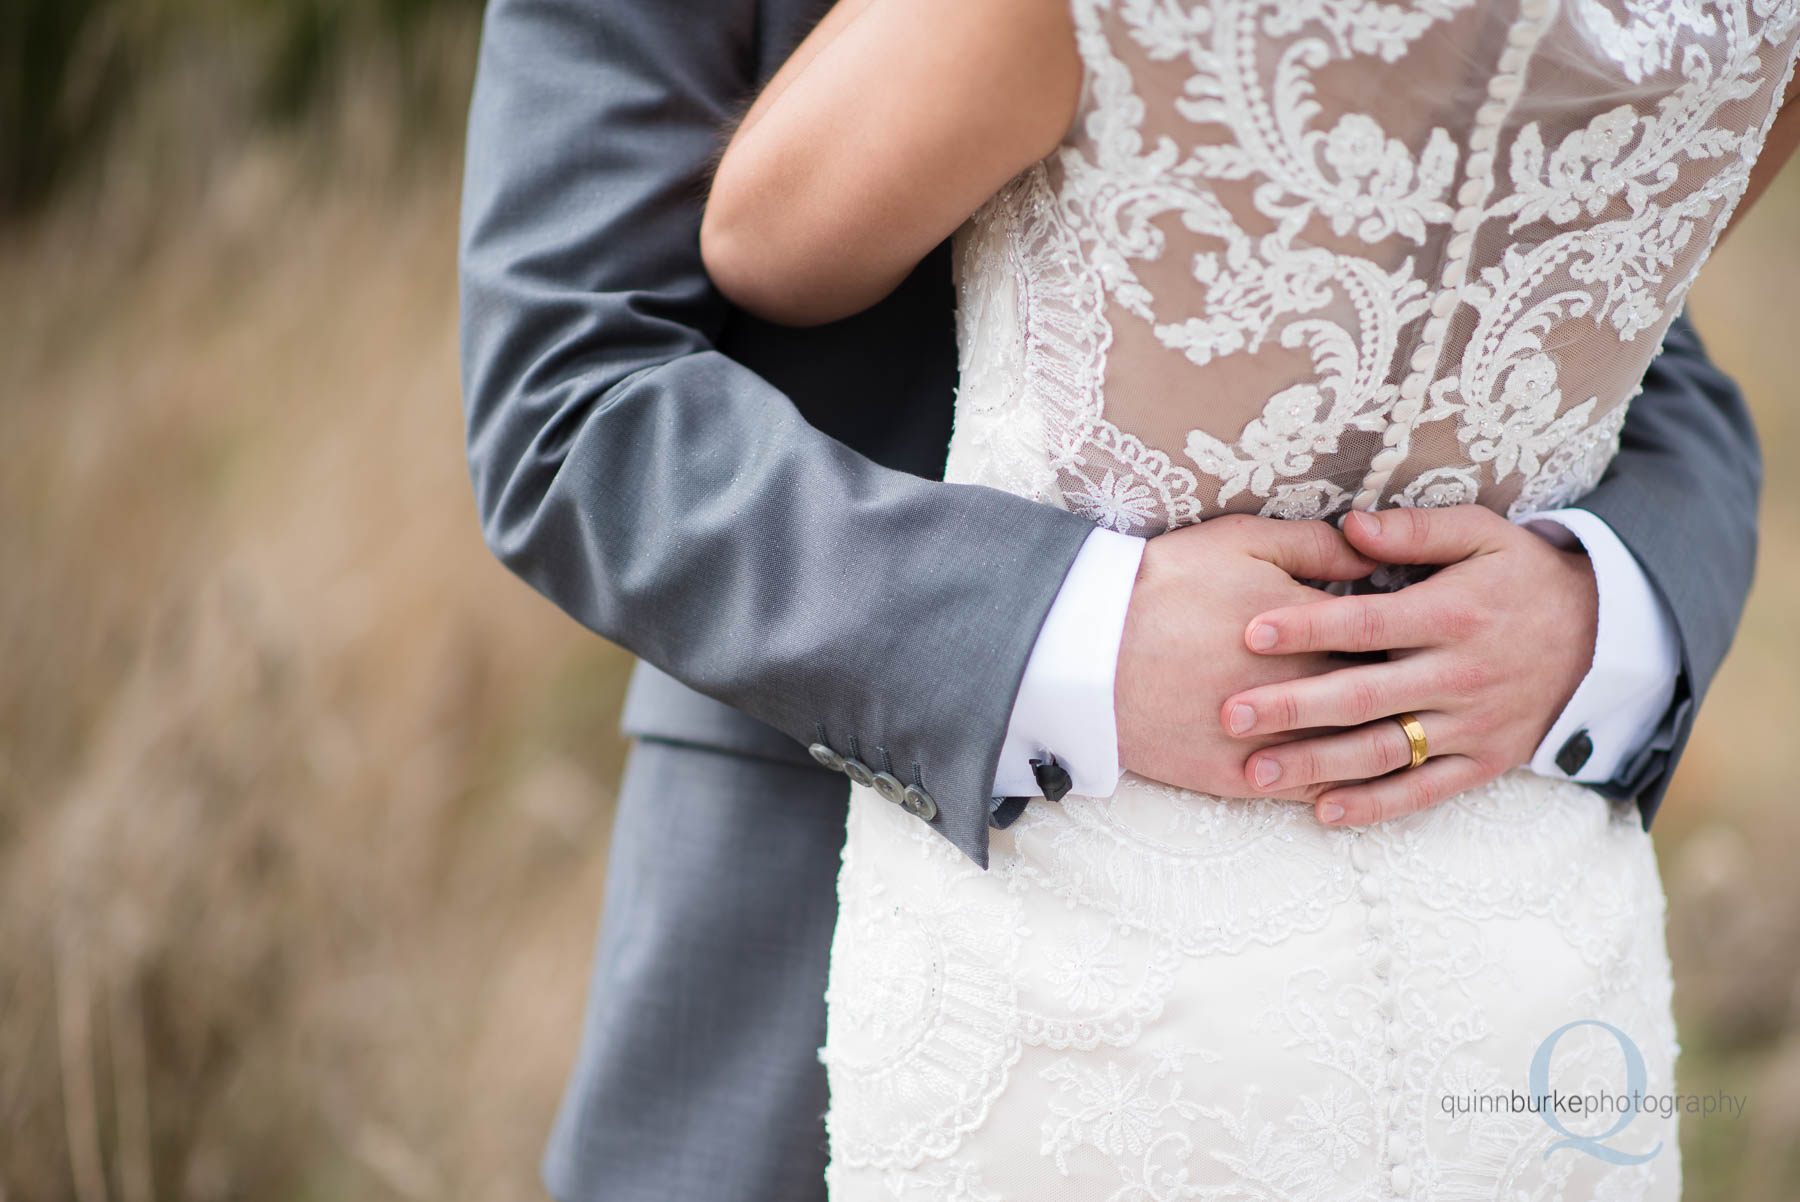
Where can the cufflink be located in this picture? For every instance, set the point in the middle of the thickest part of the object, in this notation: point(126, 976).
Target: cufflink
point(1052, 778)
point(1574, 754)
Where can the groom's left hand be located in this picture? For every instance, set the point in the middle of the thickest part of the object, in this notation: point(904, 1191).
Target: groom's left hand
point(1486, 652)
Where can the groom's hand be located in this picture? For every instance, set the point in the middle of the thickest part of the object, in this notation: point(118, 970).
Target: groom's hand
point(1487, 652)
point(1183, 647)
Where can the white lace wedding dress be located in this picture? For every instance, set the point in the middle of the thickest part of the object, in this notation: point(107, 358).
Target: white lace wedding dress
point(1295, 257)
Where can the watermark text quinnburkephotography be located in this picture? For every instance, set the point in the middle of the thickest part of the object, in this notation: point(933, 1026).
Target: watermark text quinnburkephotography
point(1560, 1102)
point(1557, 1107)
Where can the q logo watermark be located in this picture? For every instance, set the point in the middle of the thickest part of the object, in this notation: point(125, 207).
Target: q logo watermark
point(1542, 1100)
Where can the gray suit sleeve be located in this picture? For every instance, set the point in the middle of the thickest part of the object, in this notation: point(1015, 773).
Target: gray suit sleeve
point(1682, 495)
point(666, 496)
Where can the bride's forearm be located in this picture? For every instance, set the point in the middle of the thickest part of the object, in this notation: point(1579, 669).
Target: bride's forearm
point(893, 122)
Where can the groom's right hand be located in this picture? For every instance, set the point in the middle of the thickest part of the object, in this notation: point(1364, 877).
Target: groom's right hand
point(1183, 649)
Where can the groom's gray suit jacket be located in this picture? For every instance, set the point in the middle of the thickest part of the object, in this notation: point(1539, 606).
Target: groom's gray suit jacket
point(754, 512)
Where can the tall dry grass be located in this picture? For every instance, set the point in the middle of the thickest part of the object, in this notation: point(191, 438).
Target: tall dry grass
point(303, 800)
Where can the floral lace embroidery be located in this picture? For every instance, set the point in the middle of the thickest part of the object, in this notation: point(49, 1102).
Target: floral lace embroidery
point(1250, 281)
point(1128, 1058)
point(1413, 295)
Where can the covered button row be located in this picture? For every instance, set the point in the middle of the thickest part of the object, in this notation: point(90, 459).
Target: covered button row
point(911, 798)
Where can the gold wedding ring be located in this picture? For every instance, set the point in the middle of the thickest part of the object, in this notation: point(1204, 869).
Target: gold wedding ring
point(1415, 737)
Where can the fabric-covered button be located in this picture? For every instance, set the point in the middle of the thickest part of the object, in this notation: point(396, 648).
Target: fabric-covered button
point(826, 756)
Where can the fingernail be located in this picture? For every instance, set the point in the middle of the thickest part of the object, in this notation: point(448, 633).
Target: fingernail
point(1267, 773)
point(1242, 719)
point(1262, 636)
point(1331, 811)
point(1367, 520)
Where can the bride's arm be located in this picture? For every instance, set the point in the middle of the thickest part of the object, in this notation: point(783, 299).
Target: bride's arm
point(891, 124)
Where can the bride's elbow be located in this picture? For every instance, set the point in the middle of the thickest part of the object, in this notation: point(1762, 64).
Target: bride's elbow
point(749, 269)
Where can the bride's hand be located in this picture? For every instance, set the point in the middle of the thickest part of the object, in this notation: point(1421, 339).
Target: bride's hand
point(1486, 652)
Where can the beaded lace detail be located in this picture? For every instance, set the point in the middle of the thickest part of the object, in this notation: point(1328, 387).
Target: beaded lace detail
point(1161, 996)
point(1302, 256)
point(1296, 257)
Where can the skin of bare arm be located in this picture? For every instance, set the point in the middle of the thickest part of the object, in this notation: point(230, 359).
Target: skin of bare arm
point(822, 35)
point(874, 143)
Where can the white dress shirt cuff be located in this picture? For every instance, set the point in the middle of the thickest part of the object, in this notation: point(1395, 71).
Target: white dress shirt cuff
point(1622, 700)
point(1065, 703)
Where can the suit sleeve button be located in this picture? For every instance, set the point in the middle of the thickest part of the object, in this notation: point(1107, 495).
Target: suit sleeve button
point(918, 803)
point(826, 756)
point(859, 772)
point(890, 788)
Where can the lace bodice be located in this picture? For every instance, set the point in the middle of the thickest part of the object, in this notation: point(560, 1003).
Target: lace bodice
point(1302, 255)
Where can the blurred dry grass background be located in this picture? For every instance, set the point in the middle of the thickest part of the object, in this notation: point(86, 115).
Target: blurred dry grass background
point(303, 800)
point(302, 797)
